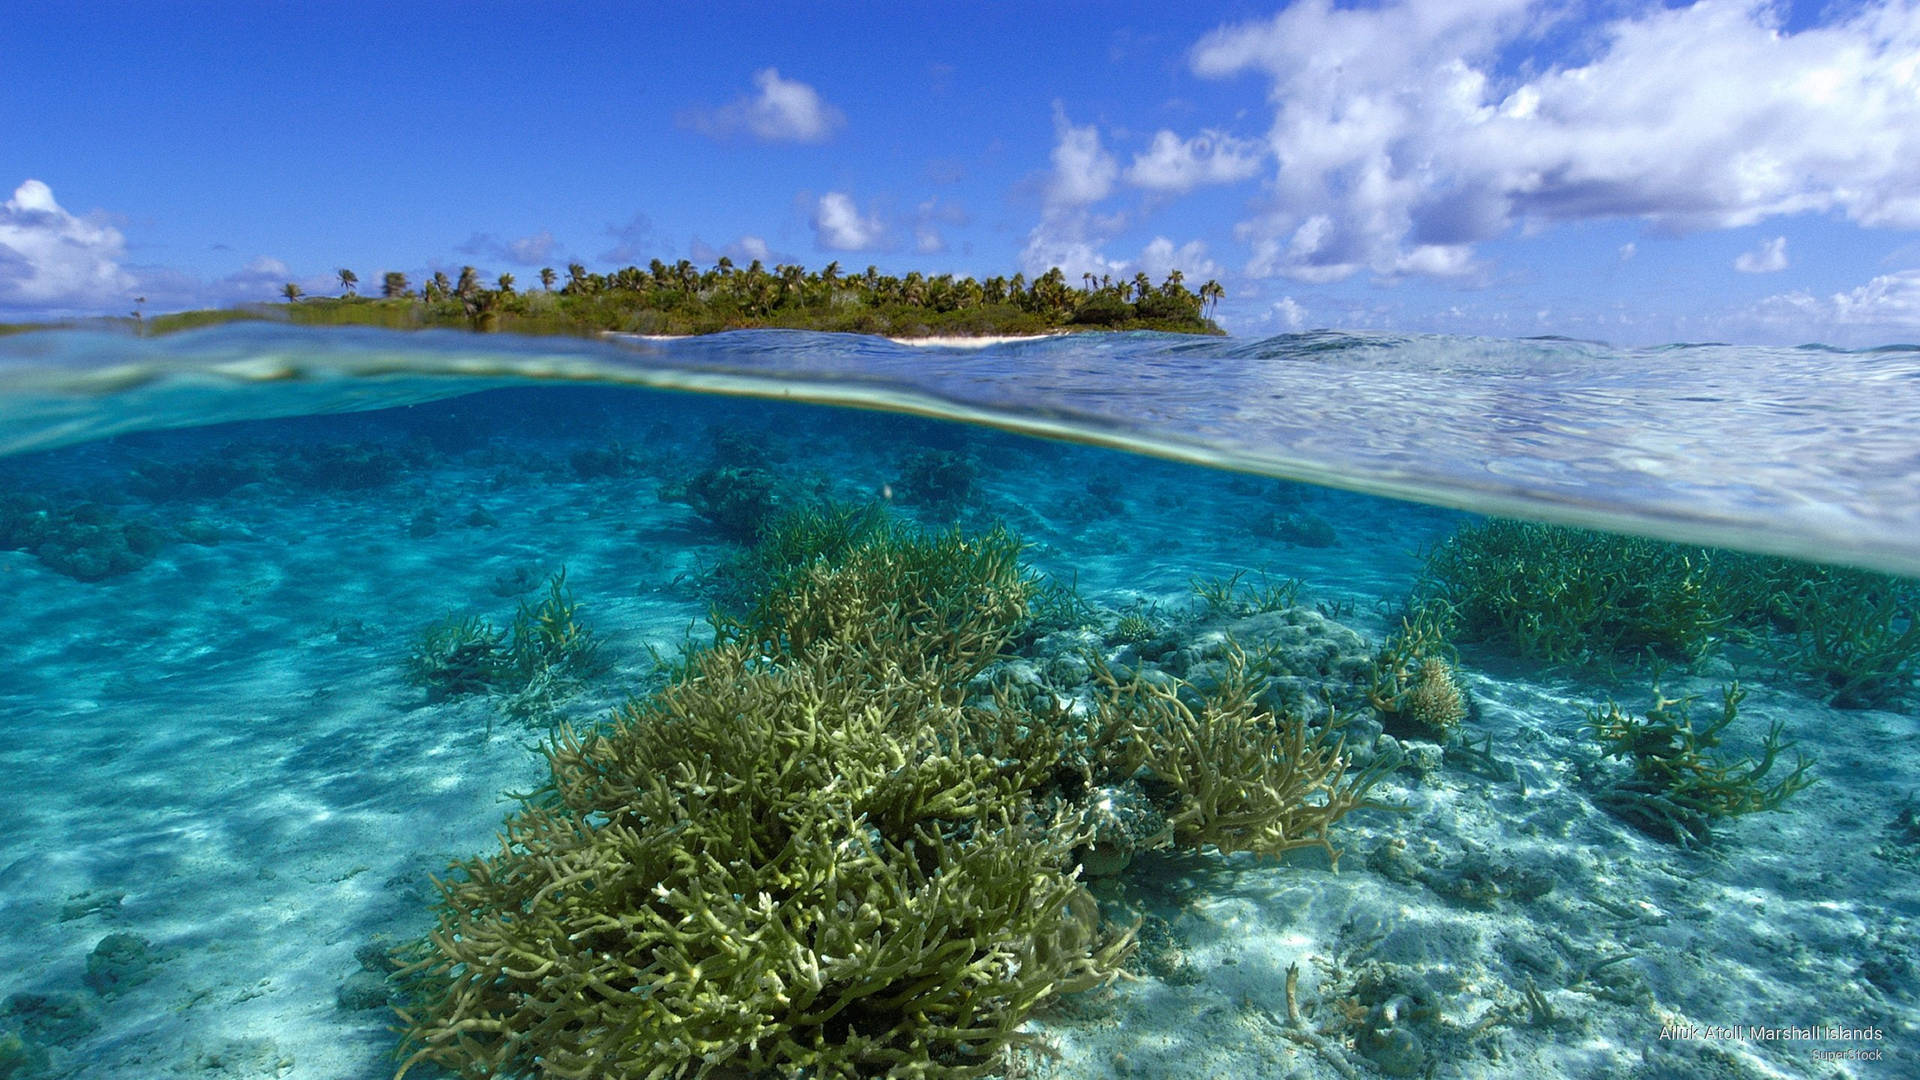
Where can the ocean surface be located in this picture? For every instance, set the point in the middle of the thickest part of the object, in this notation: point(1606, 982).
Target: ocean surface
point(239, 748)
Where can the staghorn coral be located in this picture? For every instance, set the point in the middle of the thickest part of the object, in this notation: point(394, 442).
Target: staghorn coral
point(804, 856)
point(1677, 790)
point(812, 855)
point(1241, 778)
point(915, 601)
point(1413, 685)
point(1564, 595)
point(547, 652)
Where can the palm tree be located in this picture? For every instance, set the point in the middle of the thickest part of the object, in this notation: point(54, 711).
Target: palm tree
point(348, 281)
point(576, 277)
point(292, 292)
point(505, 284)
point(547, 278)
point(441, 283)
point(469, 283)
point(394, 285)
point(1210, 295)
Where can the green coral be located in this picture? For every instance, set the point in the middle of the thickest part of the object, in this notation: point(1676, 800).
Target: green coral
point(805, 856)
point(1238, 778)
point(813, 855)
point(1677, 789)
point(1564, 595)
point(1227, 596)
point(1856, 632)
point(1414, 686)
point(546, 650)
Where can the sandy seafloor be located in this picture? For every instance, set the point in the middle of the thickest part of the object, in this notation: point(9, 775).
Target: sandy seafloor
point(220, 753)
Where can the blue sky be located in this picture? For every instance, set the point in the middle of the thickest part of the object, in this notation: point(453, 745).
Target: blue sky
point(1634, 172)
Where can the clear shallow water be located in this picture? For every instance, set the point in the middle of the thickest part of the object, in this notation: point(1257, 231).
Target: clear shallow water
point(224, 755)
point(1810, 451)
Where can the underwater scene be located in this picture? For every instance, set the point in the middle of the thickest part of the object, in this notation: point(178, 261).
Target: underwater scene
point(779, 704)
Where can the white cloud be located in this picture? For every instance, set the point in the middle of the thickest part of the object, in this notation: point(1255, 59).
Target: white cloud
point(1068, 235)
point(525, 251)
point(55, 262)
point(1288, 311)
point(1769, 257)
point(743, 252)
point(1628, 250)
point(784, 110)
point(1400, 143)
point(1176, 165)
point(839, 226)
point(532, 250)
point(263, 278)
point(1083, 173)
point(1890, 302)
point(1190, 258)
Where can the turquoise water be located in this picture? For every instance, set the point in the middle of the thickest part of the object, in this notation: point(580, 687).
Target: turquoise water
point(232, 784)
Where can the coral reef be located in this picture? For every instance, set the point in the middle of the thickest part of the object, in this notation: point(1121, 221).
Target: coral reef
point(1561, 595)
point(820, 851)
point(939, 479)
point(1857, 633)
point(546, 652)
point(1240, 778)
point(1413, 686)
point(84, 540)
point(737, 500)
point(1677, 790)
point(805, 855)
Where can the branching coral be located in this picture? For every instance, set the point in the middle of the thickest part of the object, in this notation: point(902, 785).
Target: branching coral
point(949, 601)
point(1562, 595)
point(811, 855)
point(804, 856)
point(547, 650)
point(1677, 790)
point(1242, 779)
point(1413, 685)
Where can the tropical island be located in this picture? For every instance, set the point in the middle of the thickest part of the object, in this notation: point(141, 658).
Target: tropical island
point(682, 299)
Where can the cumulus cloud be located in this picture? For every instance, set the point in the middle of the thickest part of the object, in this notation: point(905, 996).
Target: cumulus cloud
point(52, 261)
point(839, 226)
point(1178, 165)
point(1069, 235)
point(1400, 144)
point(1290, 313)
point(632, 242)
point(1889, 302)
point(781, 110)
point(1083, 172)
point(264, 278)
point(1190, 258)
point(927, 219)
point(743, 252)
point(525, 251)
point(1766, 259)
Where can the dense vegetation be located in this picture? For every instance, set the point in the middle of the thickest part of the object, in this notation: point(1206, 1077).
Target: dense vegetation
point(681, 299)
